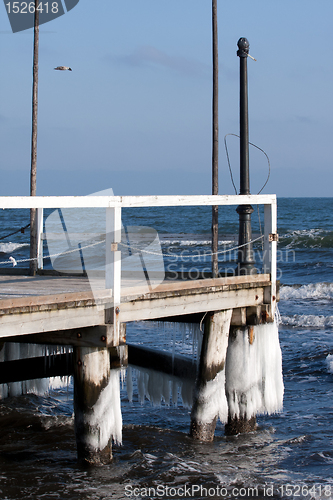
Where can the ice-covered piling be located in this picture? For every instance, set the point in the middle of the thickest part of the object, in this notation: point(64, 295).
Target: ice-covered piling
point(253, 372)
point(240, 376)
point(96, 405)
point(209, 400)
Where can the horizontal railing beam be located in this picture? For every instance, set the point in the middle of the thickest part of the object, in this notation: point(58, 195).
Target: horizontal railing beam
point(132, 201)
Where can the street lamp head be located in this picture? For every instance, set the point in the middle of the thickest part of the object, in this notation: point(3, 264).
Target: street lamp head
point(243, 47)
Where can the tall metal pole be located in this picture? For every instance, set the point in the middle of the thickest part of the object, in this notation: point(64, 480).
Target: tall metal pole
point(33, 171)
point(215, 151)
point(245, 252)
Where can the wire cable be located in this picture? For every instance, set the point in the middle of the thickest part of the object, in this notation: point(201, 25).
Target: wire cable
point(15, 232)
point(257, 147)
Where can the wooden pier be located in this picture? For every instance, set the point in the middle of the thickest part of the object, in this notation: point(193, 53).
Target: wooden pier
point(31, 306)
point(67, 310)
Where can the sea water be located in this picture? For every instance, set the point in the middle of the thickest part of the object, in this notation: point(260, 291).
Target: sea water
point(290, 455)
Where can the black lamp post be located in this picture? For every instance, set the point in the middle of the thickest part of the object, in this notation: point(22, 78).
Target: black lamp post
point(245, 252)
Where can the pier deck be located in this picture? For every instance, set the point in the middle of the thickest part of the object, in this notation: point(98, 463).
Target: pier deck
point(46, 305)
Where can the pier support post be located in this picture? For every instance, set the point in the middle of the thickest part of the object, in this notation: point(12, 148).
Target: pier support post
point(209, 398)
point(91, 377)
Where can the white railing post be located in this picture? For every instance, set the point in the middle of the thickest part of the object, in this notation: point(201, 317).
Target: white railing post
point(40, 216)
point(270, 251)
point(113, 265)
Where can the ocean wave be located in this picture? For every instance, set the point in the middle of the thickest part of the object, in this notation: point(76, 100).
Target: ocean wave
point(317, 291)
point(193, 242)
point(11, 247)
point(308, 320)
point(307, 238)
point(49, 422)
point(329, 362)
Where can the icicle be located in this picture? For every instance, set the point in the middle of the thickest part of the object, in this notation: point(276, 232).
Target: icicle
point(166, 390)
point(123, 377)
point(129, 384)
point(69, 379)
point(174, 392)
point(187, 393)
point(3, 391)
point(58, 382)
point(13, 353)
point(3, 387)
point(183, 337)
point(158, 387)
point(155, 387)
point(140, 377)
point(173, 347)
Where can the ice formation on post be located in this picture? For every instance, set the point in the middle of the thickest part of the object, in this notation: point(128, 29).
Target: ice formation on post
point(97, 413)
point(11, 351)
point(213, 401)
point(254, 383)
point(210, 400)
point(157, 387)
point(105, 419)
point(251, 382)
point(184, 337)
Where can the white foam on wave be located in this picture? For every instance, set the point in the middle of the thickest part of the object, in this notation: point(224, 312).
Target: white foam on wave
point(198, 242)
point(308, 320)
point(311, 237)
point(329, 362)
point(11, 247)
point(321, 291)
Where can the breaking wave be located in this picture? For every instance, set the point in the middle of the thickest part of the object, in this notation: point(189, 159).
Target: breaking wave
point(329, 362)
point(190, 240)
point(315, 291)
point(11, 247)
point(308, 320)
point(189, 243)
point(307, 238)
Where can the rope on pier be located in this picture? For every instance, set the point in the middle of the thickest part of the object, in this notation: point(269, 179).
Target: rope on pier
point(20, 261)
point(54, 255)
point(180, 256)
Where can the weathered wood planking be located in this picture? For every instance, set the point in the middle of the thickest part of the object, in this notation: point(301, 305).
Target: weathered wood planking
point(35, 313)
point(190, 303)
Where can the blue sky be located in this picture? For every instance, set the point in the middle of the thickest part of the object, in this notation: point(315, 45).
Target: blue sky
point(135, 112)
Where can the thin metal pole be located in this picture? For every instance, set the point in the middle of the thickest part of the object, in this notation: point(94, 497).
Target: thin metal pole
point(245, 253)
point(33, 171)
point(215, 152)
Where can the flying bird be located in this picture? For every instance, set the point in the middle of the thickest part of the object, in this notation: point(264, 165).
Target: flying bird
point(63, 68)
